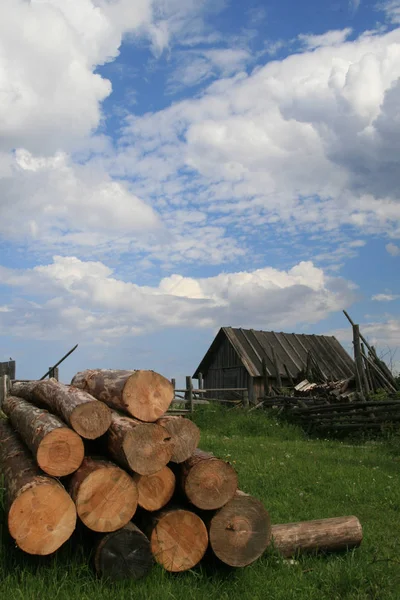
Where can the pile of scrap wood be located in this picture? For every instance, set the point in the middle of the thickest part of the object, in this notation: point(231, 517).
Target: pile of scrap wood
point(102, 452)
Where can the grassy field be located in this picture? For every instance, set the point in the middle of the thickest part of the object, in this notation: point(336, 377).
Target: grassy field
point(297, 479)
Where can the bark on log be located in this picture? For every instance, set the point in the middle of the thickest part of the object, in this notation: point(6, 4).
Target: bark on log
point(86, 415)
point(23, 389)
point(178, 539)
point(185, 435)
point(105, 496)
point(156, 490)
point(326, 535)
point(145, 448)
point(240, 531)
point(41, 515)
point(58, 449)
point(207, 481)
point(145, 395)
point(123, 554)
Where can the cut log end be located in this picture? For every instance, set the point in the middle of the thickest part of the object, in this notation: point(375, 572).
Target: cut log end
point(147, 395)
point(148, 448)
point(210, 484)
point(185, 435)
point(156, 490)
point(60, 452)
point(241, 531)
point(179, 540)
point(106, 499)
point(42, 518)
point(91, 419)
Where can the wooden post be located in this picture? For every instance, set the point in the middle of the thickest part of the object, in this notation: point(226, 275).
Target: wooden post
point(201, 382)
point(360, 375)
point(53, 373)
point(367, 370)
point(189, 387)
point(251, 390)
point(246, 399)
point(265, 377)
point(4, 388)
point(173, 383)
point(278, 375)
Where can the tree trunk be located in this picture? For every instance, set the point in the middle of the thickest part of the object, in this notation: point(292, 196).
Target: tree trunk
point(207, 481)
point(156, 490)
point(123, 554)
point(321, 535)
point(58, 450)
point(24, 389)
point(145, 448)
point(178, 539)
point(185, 435)
point(41, 515)
point(86, 415)
point(240, 531)
point(145, 395)
point(105, 496)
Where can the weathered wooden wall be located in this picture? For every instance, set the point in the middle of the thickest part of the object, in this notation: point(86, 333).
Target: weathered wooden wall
point(226, 370)
point(8, 368)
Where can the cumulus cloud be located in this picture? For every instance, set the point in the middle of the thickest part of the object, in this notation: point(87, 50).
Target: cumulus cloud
point(86, 299)
point(393, 249)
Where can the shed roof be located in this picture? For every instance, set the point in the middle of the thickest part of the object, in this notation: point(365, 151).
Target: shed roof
point(291, 349)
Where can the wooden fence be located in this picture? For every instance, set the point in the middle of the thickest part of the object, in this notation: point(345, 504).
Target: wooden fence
point(189, 397)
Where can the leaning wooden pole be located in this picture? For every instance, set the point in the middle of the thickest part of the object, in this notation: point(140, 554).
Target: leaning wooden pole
point(360, 373)
point(41, 515)
point(326, 535)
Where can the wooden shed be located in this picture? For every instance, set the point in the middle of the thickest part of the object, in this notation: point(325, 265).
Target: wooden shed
point(236, 356)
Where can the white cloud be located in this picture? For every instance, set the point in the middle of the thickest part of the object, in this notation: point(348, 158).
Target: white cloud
point(385, 297)
point(330, 38)
point(86, 299)
point(391, 8)
point(393, 249)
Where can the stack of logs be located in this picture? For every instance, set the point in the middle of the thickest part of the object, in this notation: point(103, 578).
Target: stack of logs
point(103, 450)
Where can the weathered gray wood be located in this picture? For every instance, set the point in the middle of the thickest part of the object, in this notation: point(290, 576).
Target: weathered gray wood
point(8, 368)
point(277, 373)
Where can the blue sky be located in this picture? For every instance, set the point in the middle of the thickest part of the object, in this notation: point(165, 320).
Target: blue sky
point(168, 167)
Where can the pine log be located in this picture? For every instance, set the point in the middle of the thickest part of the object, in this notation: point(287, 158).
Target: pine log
point(24, 389)
point(41, 515)
point(123, 554)
point(178, 539)
point(58, 449)
point(327, 535)
point(207, 481)
point(145, 395)
point(240, 531)
point(105, 496)
point(145, 448)
point(156, 490)
point(185, 435)
point(86, 415)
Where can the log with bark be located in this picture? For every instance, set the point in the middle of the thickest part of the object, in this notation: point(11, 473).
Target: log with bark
point(208, 482)
point(178, 539)
point(41, 515)
point(327, 535)
point(145, 395)
point(105, 496)
point(123, 554)
point(86, 415)
point(156, 490)
point(145, 448)
point(240, 531)
point(58, 449)
point(185, 435)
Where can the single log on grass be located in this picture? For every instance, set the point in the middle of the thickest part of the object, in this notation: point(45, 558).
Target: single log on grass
point(58, 449)
point(145, 395)
point(41, 515)
point(86, 415)
point(185, 435)
point(105, 496)
point(156, 490)
point(123, 554)
point(207, 481)
point(178, 539)
point(145, 448)
point(240, 531)
point(325, 535)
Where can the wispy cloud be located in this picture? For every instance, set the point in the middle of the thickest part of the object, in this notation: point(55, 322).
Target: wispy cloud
point(385, 297)
point(393, 249)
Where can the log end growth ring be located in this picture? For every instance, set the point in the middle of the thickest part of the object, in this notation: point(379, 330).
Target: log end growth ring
point(91, 419)
point(147, 395)
point(211, 484)
point(61, 452)
point(148, 448)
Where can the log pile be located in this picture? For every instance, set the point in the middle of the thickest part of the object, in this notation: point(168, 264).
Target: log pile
point(133, 478)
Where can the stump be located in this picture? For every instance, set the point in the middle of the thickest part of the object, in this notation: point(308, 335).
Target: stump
point(58, 450)
point(240, 531)
point(145, 448)
point(41, 515)
point(105, 496)
point(185, 435)
point(145, 395)
point(86, 415)
point(156, 490)
point(123, 554)
point(178, 539)
point(207, 481)
point(325, 535)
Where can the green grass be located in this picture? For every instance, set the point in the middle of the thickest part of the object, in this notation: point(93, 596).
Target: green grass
point(298, 479)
